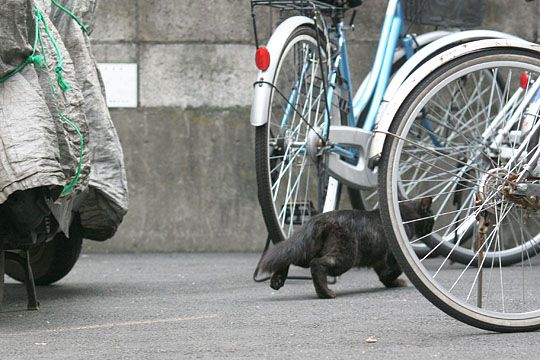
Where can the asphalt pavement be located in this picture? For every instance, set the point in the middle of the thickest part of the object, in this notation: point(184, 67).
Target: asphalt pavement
point(176, 306)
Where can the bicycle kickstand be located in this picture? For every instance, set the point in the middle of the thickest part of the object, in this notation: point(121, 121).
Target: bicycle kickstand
point(2, 272)
point(33, 303)
point(24, 262)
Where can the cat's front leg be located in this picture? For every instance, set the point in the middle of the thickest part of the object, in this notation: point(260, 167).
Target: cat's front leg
point(389, 271)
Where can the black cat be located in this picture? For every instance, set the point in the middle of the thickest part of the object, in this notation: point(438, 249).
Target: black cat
point(333, 242)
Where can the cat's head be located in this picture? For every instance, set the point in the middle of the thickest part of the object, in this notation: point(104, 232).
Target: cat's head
point(418, 213)
point(426, 221)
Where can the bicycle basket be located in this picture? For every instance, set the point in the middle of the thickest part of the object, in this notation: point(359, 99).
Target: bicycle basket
point(444, 13)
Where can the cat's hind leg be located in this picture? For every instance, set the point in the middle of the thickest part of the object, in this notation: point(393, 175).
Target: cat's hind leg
point(321, 268)
point(278, 278)
point(389, 272)
point(319, 274)
point(336, 256)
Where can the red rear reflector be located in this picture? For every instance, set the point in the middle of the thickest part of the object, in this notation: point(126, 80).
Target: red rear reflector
point(524, 80)
point(262, 58)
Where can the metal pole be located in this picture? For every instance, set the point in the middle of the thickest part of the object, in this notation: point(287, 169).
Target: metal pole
point(33, 304)
point(483, 227)
point(2, 272)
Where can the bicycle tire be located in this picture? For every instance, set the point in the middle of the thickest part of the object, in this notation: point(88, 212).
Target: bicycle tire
point(275, 139)
point(460, 253)
point(506, 312)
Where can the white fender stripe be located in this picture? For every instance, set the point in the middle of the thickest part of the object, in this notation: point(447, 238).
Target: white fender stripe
point(261, 92)
point(433, 47)
point(392, 107)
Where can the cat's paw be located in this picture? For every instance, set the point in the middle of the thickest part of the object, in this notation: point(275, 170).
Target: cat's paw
point(328, 294)
point(396, 283)
point(277, 281)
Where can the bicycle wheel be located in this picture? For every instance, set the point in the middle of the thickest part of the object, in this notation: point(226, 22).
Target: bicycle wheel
point(291, 173)
point(53, 260)
point(456, 141)
point(469, 103)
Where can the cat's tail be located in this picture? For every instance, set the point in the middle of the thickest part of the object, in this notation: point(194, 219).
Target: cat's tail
point(296, 250)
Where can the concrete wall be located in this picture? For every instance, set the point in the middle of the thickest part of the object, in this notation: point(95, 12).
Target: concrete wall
point(189, 145)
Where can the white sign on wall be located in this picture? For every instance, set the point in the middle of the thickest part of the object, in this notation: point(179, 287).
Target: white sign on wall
point(120, 84)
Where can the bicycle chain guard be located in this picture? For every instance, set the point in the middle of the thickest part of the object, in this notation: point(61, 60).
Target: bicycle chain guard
point(359, 175)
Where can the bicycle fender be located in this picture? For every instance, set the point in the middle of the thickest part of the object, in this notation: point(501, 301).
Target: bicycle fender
point(389, 109)
point(435, 47)
point(400, 52)
point(262, 87)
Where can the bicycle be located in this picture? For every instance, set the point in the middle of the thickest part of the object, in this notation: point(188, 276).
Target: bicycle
point(497, 162)
point(317, 128)
point(288, 204)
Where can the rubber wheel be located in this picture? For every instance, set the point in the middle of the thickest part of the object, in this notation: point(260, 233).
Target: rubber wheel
point(52, 260)
point(452, 157)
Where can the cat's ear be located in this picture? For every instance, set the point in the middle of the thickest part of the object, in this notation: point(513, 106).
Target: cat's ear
point(425, 203)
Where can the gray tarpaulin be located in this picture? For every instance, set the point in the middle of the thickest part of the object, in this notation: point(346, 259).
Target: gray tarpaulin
point(38, 148)
point(106, 202)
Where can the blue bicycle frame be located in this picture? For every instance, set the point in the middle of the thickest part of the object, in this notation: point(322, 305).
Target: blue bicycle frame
point(372, 90)
point(374, 87)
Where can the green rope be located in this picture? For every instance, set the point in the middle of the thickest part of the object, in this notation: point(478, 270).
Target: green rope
point(40, 62)
point(37, 36)
point(64, 86)
point(58, 69)
point(37, 60)
point(84, 28)
point(70, 186)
